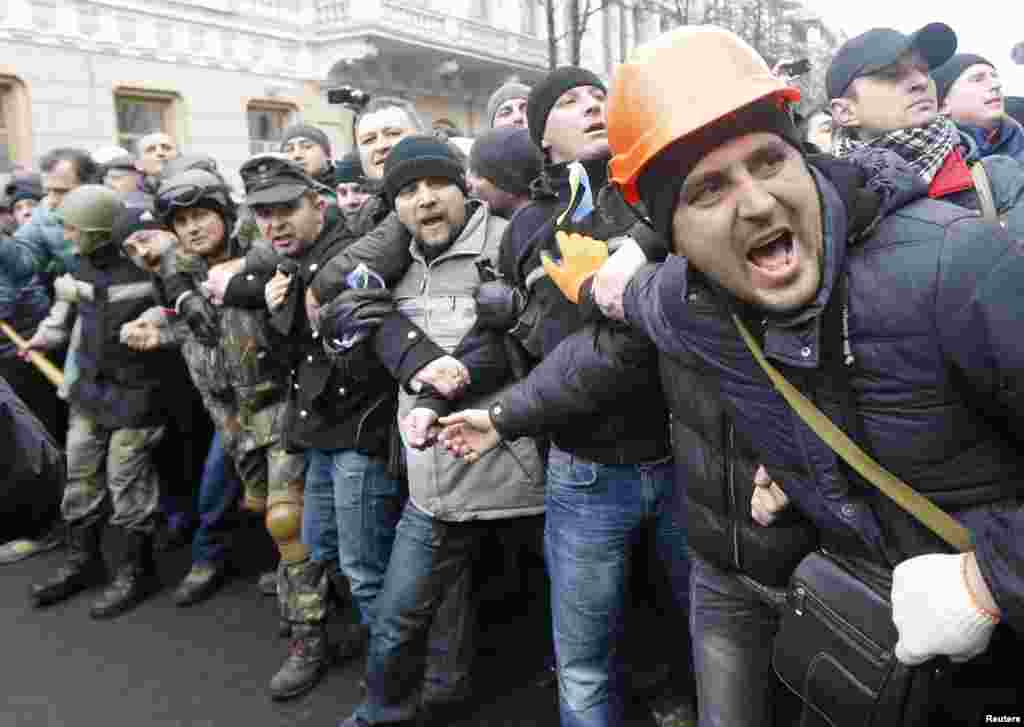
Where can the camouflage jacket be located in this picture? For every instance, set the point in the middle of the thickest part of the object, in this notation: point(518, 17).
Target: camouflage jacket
point(243, 379)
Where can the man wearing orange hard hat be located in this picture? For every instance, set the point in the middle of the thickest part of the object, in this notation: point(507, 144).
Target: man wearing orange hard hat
point(897, 315)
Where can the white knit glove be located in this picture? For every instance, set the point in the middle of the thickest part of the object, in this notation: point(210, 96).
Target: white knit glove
point(66, 288)
point(934, 611)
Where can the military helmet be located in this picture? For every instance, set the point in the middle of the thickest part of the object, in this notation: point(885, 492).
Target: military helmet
point(193, 188)
point(91, 208)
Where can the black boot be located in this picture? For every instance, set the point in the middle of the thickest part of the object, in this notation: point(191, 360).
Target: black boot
point(306, 663)
point(84, 567)
point(134, 581)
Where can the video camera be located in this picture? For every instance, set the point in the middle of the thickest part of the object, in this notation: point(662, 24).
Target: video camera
point(354, 98)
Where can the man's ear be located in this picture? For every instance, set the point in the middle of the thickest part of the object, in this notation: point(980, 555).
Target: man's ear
point(844, 112)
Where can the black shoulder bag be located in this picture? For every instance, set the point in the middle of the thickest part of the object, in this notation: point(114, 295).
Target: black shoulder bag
point(836, 639)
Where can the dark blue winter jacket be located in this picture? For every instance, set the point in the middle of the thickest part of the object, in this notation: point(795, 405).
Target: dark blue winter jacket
point(1008, 142)
point(932, 299)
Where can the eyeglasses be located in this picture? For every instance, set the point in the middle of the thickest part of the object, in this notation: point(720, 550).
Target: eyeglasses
point(184, 195)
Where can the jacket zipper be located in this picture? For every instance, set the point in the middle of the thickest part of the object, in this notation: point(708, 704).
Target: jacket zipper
point(805, 599)
point(730, 469)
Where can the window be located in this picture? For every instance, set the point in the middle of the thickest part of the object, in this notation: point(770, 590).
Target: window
point(267, 122)
point(140, 113)
point(15, 117)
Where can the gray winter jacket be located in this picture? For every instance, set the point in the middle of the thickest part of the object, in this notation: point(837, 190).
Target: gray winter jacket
point(438, 296)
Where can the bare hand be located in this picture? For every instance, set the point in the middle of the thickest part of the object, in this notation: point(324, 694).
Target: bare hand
point(140, 335)
point(469, 434)
point(610, 281)
point(36, 343)
point(768, 499)
point(446, 374)
point(218, 278)
point(276, 290)
point(312, 308)
point(420, 427)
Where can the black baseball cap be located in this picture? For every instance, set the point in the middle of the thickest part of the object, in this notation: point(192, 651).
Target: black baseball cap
point(274, 178)
point(872, 51)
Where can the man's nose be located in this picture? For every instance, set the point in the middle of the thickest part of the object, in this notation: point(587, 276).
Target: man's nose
point(753, 200)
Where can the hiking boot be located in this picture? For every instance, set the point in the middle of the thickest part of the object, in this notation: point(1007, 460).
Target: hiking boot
point(16, 550)
point(306, 663)
point(201, 582)
point(83, 568)
point(134, 581)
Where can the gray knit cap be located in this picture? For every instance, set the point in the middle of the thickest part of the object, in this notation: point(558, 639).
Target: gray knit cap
point(510, 90)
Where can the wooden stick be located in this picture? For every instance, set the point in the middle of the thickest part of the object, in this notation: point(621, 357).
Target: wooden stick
point(45, 366)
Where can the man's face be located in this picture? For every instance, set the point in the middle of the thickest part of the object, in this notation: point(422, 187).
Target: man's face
point(22, 211)
point(576, 128)
point(748, 216)
point(900, 96)
point(147, 247)
point(433, 210)
point(511, 113)
point(201, 231)
point(123, 181)
point(976, 97)
point(819, 131)
point(499, 201)
point(58, 182)
point(377, 133)
point(308, 153)
point(154, 150)
point(291, 227)
point(351, 196)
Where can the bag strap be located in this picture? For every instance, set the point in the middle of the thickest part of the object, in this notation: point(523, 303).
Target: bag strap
point(935, 519)
point(983, 189)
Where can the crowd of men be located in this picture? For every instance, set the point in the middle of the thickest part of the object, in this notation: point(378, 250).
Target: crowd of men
point(410, 350)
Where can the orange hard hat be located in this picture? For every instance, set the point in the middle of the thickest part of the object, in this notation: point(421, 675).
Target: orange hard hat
point(679, 83)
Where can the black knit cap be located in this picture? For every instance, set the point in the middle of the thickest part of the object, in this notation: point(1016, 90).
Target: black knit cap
point(349, 169)
point(547, 92)
point(660, 182)
point(418, 157)
point(131, 220)
point(307, 132)
point(508, 158)
point(946, 74)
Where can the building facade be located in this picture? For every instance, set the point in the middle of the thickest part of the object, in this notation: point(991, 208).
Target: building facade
point(226, 76)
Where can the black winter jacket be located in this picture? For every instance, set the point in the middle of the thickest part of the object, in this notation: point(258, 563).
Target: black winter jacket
point(118, 386)
point(345, 403)
point(936, 377)
point(617, 414)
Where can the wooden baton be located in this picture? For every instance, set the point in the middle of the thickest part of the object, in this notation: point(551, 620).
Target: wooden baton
point(51, 372)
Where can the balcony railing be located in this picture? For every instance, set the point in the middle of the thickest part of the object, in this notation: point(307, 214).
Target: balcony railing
point(426, 24)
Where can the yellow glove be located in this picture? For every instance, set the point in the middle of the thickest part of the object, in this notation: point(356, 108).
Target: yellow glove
point(582, 256)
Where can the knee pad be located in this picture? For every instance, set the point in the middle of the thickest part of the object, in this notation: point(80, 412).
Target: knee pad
point(284, 523)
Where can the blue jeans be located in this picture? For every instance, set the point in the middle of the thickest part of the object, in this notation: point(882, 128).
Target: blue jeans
point(218, 494)
point(593, 510)
point(421, 639)
point(350, 510)
point(733, 622)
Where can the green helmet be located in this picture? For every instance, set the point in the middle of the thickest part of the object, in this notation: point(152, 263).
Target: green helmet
point(91, 208)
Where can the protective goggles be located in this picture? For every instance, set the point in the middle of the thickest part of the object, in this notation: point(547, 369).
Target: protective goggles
point(186, 195)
